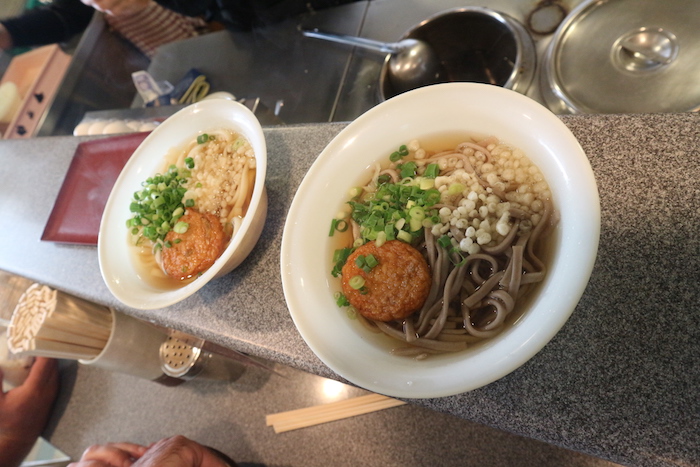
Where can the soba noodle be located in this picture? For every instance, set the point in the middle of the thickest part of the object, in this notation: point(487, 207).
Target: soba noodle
point(480, 239)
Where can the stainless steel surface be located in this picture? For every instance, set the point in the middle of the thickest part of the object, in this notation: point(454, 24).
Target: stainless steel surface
point(179, 359)
point(304, 81)
point(624, 56)
point(389, 19)
point(95, 79)
point(410, 63)
point(473, 44)
point(275, 64)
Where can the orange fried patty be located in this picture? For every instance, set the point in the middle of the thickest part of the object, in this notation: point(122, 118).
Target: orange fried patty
point(395, 288)
point(196, 250)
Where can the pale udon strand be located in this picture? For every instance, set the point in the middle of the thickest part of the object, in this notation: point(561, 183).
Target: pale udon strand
point(392, 173)
point(240, 195)
point(356, 231)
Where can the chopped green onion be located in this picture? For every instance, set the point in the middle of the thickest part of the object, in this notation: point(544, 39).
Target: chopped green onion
point(181, 227)
point(355, 191)
point(444, 241)
point(189, 162)
point(340, 299)
point(341, 225)
point(404, 236)
point(408, 170)
point(371, 261)
point(417, 212)
point(431, 171)
point(426, 183)
point(366, 263)
point(455, 189)
point(340, 256)
point(381, 237)
point(203, 138)
point(384, 178)
point(356, 282)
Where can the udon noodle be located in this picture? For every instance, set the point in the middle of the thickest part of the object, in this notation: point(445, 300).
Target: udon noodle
point(212, 176)
point(222, 177)
point(481, 236)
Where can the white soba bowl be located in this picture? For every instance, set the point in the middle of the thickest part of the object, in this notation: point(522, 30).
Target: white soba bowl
point(365, 358)
point(117, 263)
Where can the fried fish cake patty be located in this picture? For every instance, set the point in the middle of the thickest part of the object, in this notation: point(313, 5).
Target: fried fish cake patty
point(196, 250)
point(395, 288)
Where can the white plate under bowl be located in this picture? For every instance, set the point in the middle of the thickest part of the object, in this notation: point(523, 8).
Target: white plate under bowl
point(363, 358)
point(116, 262)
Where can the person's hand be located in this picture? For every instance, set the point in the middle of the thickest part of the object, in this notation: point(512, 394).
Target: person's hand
point(179, 451)
point(117, 7)
point(5, 38)
point(25, 410)
point(110, 455)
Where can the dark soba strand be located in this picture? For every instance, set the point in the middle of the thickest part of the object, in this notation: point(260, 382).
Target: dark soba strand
point(452, 287)
point(508, 286)
point(422, 342)
point(505, 243)
point(536, 233)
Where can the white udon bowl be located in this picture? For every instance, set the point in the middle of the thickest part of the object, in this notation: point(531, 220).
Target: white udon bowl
point(116, 262)
point(364, 358)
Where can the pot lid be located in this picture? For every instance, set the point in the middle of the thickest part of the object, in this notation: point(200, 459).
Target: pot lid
point(627, 56)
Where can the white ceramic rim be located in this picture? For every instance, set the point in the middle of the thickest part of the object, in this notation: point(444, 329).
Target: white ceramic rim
point(116, 268)
point(357, 356)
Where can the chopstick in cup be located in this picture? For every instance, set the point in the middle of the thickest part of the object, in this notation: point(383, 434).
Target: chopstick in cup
point(51, 324)
point(302, 418)
point(53, 349)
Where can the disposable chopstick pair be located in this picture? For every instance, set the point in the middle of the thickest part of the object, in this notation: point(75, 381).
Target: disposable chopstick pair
point(316, 415)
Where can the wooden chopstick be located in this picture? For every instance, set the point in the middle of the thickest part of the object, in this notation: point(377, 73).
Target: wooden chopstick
point(310, 416)
point(48, 323)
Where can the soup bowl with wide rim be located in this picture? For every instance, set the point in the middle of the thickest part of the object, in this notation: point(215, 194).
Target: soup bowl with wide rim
point(117, 261)
point(365, 358)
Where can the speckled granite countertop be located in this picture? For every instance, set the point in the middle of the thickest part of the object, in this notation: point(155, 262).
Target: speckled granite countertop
point(620, 381)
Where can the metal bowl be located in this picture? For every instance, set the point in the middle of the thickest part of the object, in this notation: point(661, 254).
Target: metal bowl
point(474, 44)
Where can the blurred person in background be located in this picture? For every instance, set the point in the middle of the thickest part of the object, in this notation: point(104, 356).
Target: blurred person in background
point(25, 409)
point(60, 20)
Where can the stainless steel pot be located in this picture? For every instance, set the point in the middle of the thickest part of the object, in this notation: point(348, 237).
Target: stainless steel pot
point(624, 56)
point(475, 44)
